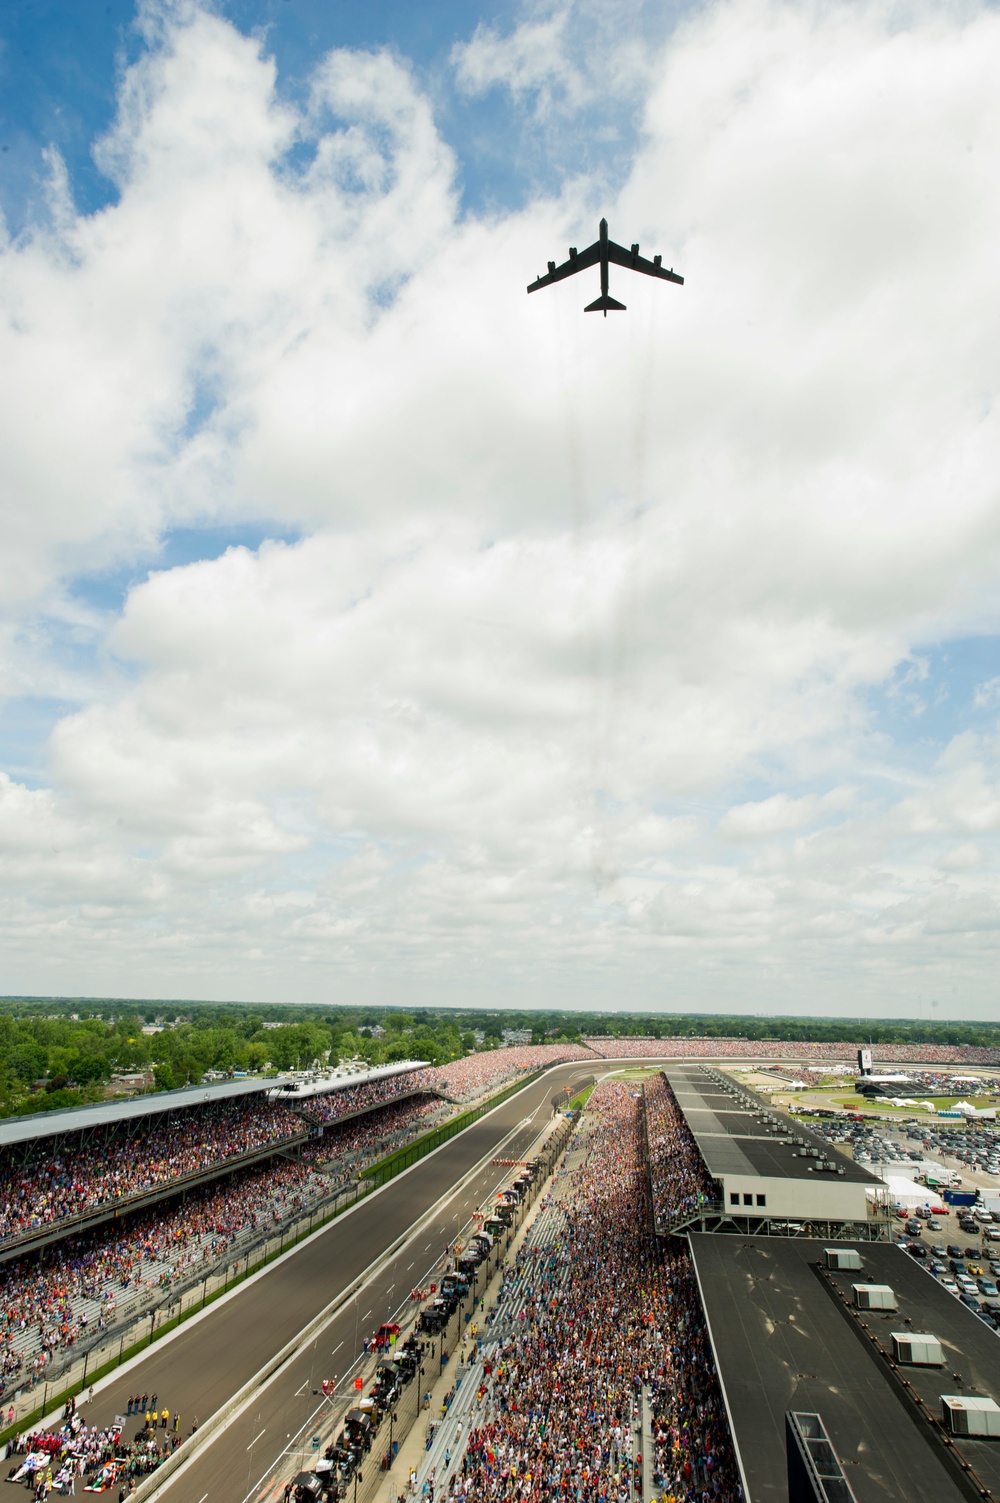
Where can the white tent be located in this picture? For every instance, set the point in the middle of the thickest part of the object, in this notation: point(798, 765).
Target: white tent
point(903, 1192)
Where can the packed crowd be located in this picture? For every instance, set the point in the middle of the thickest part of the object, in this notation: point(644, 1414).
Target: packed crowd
point(465, 1079)
point(52, 1299)
point(604, 1313)
point(678, 1177)
point(361, 1140)
point(55, 1177)
point(343, 1102)
point(736, 1048)
point(54, 1460)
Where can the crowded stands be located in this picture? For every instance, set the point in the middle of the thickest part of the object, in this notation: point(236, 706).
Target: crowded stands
point(678, 1178)
point(471, 1077)
point(736, 1048)
point(53, 1178)
point(51, 1299)
point(602, 1313)
point(360, 1098)
point(361, 1140)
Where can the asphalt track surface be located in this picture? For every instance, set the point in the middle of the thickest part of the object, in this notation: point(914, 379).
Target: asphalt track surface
point(204, 1364)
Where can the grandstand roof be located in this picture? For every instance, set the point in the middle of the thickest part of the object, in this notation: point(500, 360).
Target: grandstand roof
point(322, 1083)
point(736, 1140)
point(785, 1339)
point(104, 1113)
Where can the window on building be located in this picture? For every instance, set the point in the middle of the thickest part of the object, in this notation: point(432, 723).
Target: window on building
point(762, 1200)
point(734, 1198)
point(748, 1200)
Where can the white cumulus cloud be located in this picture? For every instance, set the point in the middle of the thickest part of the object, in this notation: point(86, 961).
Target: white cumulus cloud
point(563, 694)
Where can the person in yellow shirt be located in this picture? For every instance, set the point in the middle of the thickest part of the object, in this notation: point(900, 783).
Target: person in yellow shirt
point(164, 1417)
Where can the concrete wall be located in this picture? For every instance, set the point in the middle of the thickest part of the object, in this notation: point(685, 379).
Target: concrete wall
point(814, 1197)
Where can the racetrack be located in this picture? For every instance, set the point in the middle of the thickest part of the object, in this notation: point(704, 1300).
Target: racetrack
point(208, 1361)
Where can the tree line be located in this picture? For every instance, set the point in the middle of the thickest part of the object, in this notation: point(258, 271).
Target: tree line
point(57, 1052)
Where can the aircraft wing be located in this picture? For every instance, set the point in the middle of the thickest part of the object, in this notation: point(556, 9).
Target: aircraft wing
point(589, 257)
point(622, 257)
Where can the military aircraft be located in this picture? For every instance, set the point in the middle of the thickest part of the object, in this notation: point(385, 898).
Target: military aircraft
point(605, 251)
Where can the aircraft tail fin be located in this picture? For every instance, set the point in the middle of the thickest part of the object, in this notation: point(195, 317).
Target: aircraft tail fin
point(602, 304)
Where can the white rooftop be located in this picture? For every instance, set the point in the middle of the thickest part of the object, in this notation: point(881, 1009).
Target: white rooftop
point(103, 1113)
point(321, 1082)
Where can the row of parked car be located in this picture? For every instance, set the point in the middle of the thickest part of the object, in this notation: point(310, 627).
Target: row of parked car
point(971, 1277)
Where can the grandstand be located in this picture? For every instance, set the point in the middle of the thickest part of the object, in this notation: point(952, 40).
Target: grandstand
point(113, 1211)
point(788, 1335)
point(757, 1171)
point(797, 1352)
point(67, 1171)
point(109, 1211)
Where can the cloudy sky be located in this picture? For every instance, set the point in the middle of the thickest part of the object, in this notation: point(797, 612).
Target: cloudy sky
point(370, 631)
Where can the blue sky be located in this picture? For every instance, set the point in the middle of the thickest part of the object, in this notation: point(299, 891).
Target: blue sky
point(367, 627)
point(61, 64)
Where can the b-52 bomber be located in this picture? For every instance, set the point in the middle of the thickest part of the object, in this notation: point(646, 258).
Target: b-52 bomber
point(604, 251)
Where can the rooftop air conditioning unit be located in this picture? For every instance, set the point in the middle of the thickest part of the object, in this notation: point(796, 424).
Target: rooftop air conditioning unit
point(917, 1348)
point(964, 1415)
point(842, 1257)
point(874, 1297)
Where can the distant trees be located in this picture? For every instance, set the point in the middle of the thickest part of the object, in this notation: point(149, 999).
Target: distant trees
point(49, 1058)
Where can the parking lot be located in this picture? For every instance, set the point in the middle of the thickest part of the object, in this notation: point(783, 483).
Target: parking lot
point(959, 1246)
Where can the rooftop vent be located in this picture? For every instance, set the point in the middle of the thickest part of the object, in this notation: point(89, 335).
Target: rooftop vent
point(874, 1296)
point(964, 1415)
point(917, 1349)
point(842, 1257)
